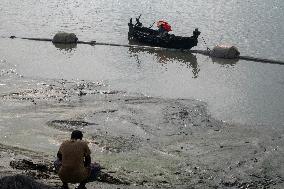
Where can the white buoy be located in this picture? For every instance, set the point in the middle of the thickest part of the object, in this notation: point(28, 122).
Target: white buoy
point(225, 51)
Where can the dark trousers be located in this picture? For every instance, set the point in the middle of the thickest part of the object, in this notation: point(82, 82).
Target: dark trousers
point(95, 170)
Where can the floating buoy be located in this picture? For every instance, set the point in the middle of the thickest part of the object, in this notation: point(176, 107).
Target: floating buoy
point(219, 51)
point(225, 51)
point(66, 38)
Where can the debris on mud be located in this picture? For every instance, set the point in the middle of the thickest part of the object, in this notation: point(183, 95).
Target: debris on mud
point(117, 144)
point(25, 164)
point(46, 171)
point(57, 91)
point(107, 178)
point(21, 181)
point(69, 125)
point(35, 170)
point(256, 183)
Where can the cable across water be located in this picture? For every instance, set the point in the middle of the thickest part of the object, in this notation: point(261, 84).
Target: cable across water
point(203, 52)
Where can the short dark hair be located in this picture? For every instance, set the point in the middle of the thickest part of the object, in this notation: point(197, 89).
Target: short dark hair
point(77, 135)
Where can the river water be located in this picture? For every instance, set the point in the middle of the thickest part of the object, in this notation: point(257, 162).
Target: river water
point(238, 92)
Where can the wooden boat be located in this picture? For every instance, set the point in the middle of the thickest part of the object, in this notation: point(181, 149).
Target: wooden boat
point(153, 37)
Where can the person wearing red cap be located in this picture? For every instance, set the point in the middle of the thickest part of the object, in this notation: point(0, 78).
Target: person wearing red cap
point(164, 28)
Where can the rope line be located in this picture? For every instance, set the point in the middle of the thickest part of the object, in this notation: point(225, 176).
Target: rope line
point(208, 49)
point(204, 52)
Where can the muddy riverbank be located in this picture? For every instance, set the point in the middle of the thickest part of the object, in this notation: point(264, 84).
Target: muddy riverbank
point(142, 142)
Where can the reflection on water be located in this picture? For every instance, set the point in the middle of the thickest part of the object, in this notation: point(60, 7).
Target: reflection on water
point(66, 47)
point(165, 56)
point(225, 62)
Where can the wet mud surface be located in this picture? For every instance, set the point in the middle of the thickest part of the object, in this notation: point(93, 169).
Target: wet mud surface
point(21, 181)
point(142, 142)
point(26, 167)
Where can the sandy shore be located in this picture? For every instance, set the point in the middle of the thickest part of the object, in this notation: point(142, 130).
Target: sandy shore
point(143, 142)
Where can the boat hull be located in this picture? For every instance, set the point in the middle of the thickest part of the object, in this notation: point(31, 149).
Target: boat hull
point(152, 37)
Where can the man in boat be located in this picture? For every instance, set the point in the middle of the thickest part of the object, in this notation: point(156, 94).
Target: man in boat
point(164, 28)
point(138, 23)
point(74, 162)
